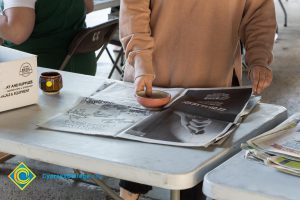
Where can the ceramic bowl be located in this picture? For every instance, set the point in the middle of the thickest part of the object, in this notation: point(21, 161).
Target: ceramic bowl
point(158, 99)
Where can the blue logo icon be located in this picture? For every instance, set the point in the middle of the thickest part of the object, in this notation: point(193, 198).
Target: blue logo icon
point(22, 176)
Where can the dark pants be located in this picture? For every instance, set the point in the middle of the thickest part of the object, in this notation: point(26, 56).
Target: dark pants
point(194, 193)
point(235, 80)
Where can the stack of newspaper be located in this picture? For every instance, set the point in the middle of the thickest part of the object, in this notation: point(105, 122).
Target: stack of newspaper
point(195, 117)
point(279, 147)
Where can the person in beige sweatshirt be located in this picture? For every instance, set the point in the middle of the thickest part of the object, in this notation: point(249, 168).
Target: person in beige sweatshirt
point(196, 43)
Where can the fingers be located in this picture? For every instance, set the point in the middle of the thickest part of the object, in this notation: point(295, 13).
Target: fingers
point(268, 81)
point(139, 86)
point(143, 82)
point(148, 85)
point(261, 83)
point(261, 79)
point(255, 80)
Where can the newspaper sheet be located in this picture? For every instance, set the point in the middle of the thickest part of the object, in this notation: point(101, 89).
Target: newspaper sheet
point(278, 148)
point(123, 93)
point(96, 117)
point(196, 118)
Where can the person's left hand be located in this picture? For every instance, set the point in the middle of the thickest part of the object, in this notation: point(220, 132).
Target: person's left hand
point(261, 78)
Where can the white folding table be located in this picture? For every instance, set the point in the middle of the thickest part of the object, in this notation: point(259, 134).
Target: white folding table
point(239, 178)
point(168, 167)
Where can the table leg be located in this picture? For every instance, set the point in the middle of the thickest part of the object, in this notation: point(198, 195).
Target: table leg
point(103, 186)
point(175, 194)
point(285, 13)
point(4, 157)
point(107, 189)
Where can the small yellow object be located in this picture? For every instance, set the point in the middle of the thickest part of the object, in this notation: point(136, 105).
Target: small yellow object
point(49, 83)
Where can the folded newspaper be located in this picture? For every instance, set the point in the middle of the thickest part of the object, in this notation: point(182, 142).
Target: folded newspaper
point(195, 117)
point(279, 147)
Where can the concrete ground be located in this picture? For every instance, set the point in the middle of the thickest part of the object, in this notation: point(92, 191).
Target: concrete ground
point(284, 91)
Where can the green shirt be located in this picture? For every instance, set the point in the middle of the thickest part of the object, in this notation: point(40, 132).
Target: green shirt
point(57, 22)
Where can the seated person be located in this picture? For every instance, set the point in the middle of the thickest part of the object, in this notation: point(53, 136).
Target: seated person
point(46, 28)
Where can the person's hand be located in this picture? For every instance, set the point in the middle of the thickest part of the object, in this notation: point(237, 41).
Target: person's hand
point(143, 82)
point(194, 124)
point(261, 78)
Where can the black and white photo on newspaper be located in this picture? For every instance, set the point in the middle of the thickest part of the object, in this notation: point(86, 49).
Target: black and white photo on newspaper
point(198, 118)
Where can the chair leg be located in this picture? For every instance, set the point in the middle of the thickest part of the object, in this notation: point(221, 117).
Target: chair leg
point(284, 12)
point(4, 157)
point(117, 60)
point(110, 56)
point(65, 62)
point(115, 66)
point(122, 57)
point(104, 47)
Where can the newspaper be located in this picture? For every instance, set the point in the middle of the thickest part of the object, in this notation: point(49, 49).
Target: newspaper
point(285, 164)
point(285, 141)
point(123, 93)
point(96, 117)
point(194, 118)
point(252, 103)
point(279, 147)
point(197, 119)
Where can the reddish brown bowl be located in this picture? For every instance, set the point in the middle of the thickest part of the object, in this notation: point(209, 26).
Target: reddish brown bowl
point(158, 99)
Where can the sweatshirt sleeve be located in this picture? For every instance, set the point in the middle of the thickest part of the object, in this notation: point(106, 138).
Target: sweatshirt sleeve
point(135, 35)
point(258, 29)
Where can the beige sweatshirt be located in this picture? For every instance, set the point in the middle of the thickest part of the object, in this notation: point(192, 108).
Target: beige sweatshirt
point(195, 43)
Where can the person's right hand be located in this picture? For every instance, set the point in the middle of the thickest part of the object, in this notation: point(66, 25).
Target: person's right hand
point(143, 82)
